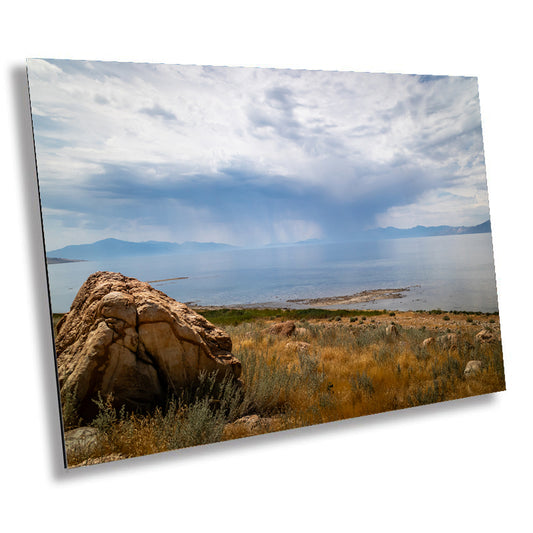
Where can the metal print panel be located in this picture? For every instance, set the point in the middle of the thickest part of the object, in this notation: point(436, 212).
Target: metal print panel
point(236, 251)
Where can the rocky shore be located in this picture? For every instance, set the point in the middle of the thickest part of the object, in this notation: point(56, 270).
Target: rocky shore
point(349, 299)
point(360, 297)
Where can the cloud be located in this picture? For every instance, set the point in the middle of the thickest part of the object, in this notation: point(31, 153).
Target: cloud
point(99, 99)
point(157, 111)
point(274, 115)
point(251, 155)
point(434, 207)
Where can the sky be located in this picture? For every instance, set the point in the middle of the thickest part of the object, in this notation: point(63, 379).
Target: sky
point(250, 156)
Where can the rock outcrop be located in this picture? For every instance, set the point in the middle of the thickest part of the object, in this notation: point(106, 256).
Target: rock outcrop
point(125, 338)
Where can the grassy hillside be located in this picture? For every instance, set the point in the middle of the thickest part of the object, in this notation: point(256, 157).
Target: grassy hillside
point(333, 368)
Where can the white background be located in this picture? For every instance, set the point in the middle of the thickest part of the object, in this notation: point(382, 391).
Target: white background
point(461, 466)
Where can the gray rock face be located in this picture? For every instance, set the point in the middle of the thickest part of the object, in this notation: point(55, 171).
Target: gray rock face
point(124, 338)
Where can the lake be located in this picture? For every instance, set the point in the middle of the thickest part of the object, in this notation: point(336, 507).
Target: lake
point(453, 272)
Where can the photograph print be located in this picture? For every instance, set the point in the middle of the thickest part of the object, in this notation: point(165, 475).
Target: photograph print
point(233, 251)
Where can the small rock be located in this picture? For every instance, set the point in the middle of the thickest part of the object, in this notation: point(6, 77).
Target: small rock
point(301, 332)
point(81, 440)
point(391, 331)
point(299, 346)
point(485, 336)
point(473, 367)
point(426, 343)
point(252, 422)
point(449, 340)
point(283, 329)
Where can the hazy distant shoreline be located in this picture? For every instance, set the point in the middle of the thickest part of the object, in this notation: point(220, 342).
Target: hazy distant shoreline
point(58, 260)
point(112, 248)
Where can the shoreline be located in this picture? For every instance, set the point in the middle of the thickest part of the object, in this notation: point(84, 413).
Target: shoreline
point(167, 279)
point(360, 297)
point(366, 296)
point(348, 302)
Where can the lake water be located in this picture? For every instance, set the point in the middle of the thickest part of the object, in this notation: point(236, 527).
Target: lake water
point(451, 273)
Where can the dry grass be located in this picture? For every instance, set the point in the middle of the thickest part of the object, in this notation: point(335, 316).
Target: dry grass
point(351, 368)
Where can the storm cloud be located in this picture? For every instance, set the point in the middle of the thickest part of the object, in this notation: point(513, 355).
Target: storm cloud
point(250, 156)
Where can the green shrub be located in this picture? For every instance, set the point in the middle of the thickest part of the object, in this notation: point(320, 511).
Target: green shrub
point(181, 426)
point(69, 408)
point(312, 377)
point(200, 424)
point(299, 388)
point(433, 393)
point(234, 317)
point(384, 354)
point(265, 382)
point(107, 415)
point(362, 382)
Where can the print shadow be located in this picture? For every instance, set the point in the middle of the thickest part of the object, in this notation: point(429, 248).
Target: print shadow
point(39, 311)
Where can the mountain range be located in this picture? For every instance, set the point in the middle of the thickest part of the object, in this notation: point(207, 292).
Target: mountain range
point(426, 231)
point(400, 233)
point(113, 248)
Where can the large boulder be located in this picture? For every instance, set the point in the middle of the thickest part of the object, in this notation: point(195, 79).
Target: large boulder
point(123, 338)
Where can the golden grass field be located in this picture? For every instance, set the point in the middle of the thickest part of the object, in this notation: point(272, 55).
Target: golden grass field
point(330, 369)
